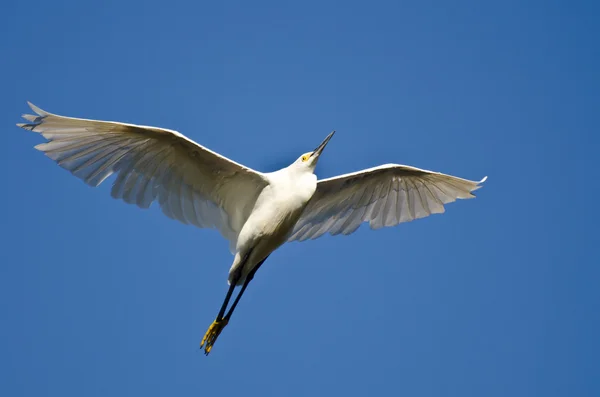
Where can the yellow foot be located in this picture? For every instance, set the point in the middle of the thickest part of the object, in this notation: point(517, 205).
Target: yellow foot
point(212, 334)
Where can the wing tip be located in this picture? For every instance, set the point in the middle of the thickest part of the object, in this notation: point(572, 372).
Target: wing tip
point(35, 120)
point(37, 109)
point(478, 186)
point(26, 126)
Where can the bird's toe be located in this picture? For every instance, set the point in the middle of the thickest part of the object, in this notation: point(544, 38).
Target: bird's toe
point(211, 335)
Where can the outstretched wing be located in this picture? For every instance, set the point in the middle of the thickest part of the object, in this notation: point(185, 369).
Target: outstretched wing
point(191, 183)
point(383, 196)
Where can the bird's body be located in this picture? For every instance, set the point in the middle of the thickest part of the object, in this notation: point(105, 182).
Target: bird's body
point(257, 212)
point(273, 217)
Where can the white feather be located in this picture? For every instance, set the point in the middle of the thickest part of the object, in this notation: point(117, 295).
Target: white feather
point(192, 183)
point(383, 196)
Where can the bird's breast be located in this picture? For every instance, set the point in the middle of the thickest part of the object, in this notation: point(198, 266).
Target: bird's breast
point(277, 210)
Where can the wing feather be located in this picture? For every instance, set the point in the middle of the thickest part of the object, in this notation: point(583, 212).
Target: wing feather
point(382, 196)
point(191, 183)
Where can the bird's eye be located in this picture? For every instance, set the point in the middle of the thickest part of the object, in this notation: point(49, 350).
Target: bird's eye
point(305, 157)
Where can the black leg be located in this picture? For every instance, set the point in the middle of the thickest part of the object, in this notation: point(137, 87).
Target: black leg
point(246, 282)
point(220, 322)
point(226, 301)
point(234, 281)
point(237, 299)
point(217, 326)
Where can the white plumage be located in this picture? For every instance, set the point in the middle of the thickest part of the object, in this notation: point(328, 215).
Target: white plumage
point(383, 196)
point(256, 212)
point(191, 183)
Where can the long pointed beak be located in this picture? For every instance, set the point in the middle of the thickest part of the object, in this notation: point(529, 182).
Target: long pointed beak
point(319, 149)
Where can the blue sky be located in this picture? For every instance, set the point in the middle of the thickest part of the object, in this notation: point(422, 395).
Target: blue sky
point(496, 297)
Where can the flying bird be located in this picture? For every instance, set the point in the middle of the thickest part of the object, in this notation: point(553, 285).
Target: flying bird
point(257, 212)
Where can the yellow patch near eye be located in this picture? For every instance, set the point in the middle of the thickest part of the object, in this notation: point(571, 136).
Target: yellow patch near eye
point(305, 157)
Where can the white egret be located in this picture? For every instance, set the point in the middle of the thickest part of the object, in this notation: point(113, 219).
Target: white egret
point(257, 212)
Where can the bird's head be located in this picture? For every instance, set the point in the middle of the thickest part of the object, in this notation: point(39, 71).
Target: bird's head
point(309, 160)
